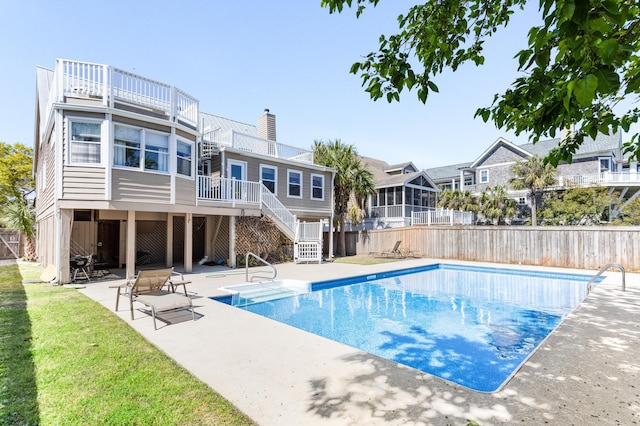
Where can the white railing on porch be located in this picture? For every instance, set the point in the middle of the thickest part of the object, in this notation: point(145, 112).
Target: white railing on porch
point(604, 178)
point(442, 217)
point(254, 144)
point(214, 188)
point(388, 211)
point(278, 209)
point(74, 78)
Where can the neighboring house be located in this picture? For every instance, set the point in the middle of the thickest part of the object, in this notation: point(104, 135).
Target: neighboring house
point(401, 189)
point(128, 168)
point(597, 162)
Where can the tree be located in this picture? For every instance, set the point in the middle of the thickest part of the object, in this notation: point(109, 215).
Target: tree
point(577, 206)
point(630, 214)
point(16, 188)
point(578, 65)
point(459, 200)
point(352, 178)
point(495, 205)
point(533, 175)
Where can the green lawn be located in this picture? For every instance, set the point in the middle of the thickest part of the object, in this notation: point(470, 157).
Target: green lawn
point(67, 360)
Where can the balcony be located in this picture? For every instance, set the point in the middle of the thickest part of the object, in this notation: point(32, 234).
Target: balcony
point(73, 79)
point(603, 179)
point(213, 140)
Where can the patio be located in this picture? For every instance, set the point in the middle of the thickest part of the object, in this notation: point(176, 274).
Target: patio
point(584, 373)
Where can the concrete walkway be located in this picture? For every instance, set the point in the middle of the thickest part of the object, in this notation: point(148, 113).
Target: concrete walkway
point(585, 373)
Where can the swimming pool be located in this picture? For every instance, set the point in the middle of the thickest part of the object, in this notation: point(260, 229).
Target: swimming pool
point(473, 326)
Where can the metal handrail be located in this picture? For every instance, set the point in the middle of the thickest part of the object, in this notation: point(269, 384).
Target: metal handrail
point(246, 265)
point(602, 270)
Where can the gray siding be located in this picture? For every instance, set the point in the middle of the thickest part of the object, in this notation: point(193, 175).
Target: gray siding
point(185, 191)
point(501, 154)
point(83, 183)
point(138, 186)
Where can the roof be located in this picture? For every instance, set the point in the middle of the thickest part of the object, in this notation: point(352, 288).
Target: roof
point(602, 143)
point(212, 122)
point(379, 169)
point(445, 172)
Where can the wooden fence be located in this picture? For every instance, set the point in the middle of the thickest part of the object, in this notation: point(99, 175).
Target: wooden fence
point(571, 247)
point(10, 244)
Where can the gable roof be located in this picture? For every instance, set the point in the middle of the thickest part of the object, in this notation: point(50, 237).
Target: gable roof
point(601, 143)
point(500, 142)
point(379, 169)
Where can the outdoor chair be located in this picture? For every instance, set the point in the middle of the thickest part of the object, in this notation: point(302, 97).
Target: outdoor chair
point(147, 288)
point(395, 251)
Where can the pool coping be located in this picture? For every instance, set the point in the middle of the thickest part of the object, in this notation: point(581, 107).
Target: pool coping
point(585, 371)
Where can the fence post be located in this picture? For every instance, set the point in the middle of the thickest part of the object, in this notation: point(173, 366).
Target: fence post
point(451, 213)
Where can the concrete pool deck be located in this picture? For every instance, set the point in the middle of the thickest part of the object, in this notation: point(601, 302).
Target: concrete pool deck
point(587, 372)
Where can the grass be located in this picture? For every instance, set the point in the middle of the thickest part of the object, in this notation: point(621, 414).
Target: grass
point(67, 360)
point(361, 260)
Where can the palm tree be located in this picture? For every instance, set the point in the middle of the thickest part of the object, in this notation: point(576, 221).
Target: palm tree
point(459, 200)
point(495, 204)
point(19, 214)
point(534, 175)
point(352, 178)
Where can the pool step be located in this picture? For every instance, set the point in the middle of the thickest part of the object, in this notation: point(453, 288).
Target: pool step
point(264, 294)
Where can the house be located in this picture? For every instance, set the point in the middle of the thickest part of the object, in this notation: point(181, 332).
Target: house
point(597, 162)
point(130, 170)
point(401, 189)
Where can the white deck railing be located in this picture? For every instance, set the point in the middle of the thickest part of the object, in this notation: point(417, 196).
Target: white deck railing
point(254, 144)
point(442, 217)
point(274, 205)
point(74, 78)
point(605, 178)
point(387, 211)
point(213, 188)
point(309, 231)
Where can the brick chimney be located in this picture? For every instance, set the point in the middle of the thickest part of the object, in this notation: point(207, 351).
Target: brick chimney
point(267, 126)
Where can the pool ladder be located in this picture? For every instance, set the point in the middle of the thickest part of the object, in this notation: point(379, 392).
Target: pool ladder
point(602, 270)
point(255, 256)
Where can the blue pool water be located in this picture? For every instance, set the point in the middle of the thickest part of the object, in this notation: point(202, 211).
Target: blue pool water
point(472, 326)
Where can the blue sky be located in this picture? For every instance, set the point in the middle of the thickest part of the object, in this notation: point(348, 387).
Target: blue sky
point(240, 57)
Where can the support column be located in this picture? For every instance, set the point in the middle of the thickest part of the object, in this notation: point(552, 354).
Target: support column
point(208, 237)
point(131, 244)
point(188, 242)
point(169, 251)
point(63, 245)
point(232, 241)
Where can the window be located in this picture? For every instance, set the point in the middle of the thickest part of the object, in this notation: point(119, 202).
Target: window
point(317, 187)
point(522, 201)
point(184, 158)
point(484, 176)
point(84, 146)
point(156, 152)
point(268, 177)
point(605, 164)
point(127, 145)
point(294, 187)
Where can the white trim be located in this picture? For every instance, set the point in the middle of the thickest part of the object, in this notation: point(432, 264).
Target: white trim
point(194, 159)
point(275, 176)
point(69, 120)
point(289, 172)
point(243, 168)
point(311, 187)
point(481, 180)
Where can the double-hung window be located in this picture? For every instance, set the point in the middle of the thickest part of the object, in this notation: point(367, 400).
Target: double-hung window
point(84, 143)
point(484, 176)
point(294, 186)
point(156, 151)
point(184, 158)
point(317, 187)
point(268, 177)
point(127, 146)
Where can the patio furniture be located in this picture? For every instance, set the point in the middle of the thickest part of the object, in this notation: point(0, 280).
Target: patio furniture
point(395, 251)
point(147, 288)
